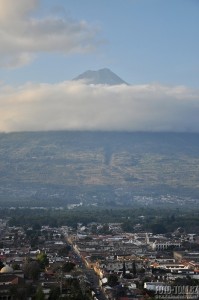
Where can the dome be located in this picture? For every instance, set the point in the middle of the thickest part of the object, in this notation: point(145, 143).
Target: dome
point(7, 269)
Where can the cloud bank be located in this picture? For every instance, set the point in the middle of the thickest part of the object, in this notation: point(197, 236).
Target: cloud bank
point(74, 105)
point(23, 36)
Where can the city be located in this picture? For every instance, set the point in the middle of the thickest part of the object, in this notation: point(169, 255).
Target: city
point(97, 261)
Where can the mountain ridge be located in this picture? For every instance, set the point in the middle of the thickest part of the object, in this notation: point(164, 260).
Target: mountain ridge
point(101, 76)
point(72, 166)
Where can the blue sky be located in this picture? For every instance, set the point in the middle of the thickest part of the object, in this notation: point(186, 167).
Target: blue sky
point(142, 41)
point(151, 44)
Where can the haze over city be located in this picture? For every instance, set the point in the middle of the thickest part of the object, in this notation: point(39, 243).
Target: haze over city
point(151, 45)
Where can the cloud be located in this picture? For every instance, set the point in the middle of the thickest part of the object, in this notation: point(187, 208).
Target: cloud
point(77, 106)
point(23, 36)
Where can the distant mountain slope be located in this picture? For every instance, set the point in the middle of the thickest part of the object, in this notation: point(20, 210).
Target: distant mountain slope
point(97, 166)
point(102, 76)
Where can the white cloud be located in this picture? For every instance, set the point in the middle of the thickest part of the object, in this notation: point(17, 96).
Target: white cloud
point(75, 105)
point(23, 36)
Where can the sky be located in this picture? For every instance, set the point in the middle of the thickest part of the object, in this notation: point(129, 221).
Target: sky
point(151, 44)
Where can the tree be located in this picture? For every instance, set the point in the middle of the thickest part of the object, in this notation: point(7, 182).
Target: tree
point(1, 265)
point(36, 227)
point(42, 260)
point(105, 229)
point(54, 293)
point(128, 226)
point(13, 292)
point(112, 280)
point(94, 229)
point(64, 251)
point(68, 266)
point(32, 270)
point(124, 269)
point(134, 270)
point(16, 266)
point(39, 294)
point(158, 228)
